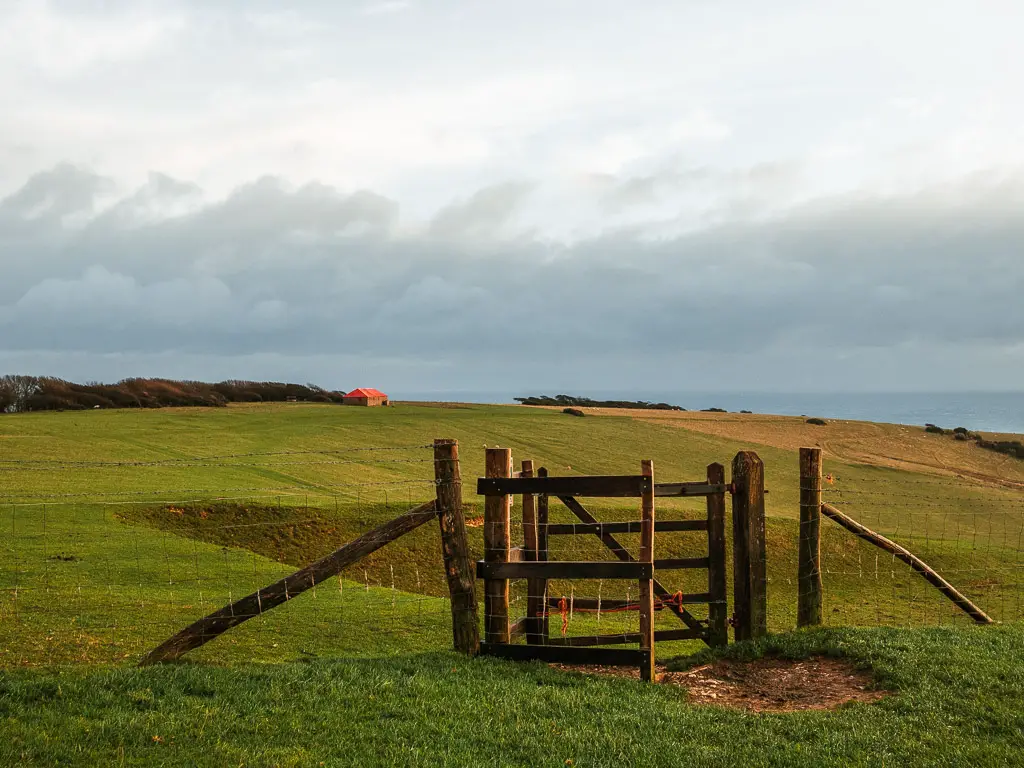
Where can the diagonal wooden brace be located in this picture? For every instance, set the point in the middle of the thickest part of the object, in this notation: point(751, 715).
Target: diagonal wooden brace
point(620, 552)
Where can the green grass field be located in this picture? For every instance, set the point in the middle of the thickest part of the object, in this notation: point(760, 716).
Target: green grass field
point(121, 527)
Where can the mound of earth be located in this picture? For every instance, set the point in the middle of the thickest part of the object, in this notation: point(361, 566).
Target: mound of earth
point(765, 685)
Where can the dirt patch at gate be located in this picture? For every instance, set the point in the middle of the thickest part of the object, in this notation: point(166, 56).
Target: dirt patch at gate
point(765, 685)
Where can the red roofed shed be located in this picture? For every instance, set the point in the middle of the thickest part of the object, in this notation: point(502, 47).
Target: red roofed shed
point(365, 396)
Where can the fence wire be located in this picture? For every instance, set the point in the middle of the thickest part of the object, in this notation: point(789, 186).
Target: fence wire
point(103, 576)
point(971, 534)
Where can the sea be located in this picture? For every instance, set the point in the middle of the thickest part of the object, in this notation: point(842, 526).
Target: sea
point(977, 411)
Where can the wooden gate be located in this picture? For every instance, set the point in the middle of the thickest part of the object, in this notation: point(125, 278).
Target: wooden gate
point(529, 561)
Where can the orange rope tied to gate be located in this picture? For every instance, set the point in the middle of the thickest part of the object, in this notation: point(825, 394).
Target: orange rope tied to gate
point(563, 607)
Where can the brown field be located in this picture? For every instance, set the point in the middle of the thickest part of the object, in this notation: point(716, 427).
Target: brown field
point(895, 446)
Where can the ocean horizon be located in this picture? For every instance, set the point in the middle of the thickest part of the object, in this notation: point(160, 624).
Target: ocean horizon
point(980, 411)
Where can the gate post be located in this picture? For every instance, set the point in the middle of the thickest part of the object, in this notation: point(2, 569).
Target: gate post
point(647, 585)
point(455, 547)
point(497, 511)
point(808, 606)
point(718, 610)
point(750, 580)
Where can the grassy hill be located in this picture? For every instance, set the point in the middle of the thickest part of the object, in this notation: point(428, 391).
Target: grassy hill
point(120, 527)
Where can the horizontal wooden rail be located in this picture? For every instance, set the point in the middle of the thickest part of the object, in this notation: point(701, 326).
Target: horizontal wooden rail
point(908, 557)
point(615, 604)
point(582, 641)
point(563, 570)
point(631, 526)
point(680, 563)
point(607, 486)
point(612, 657)
point(289, 587)
point(689, 489)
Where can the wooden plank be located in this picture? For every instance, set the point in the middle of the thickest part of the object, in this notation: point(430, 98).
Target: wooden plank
point(458, 567)
point(689, 489)
point(908, 557)
point(497, 509)
point(615, 604)
point(629, 526)
point(750, 583)
point(610, 657)
point(563, 570)
point(680, 563)
point(542, 553)
point(647, 673)
point(288, 588)
point(607, 486)
point(718, 610)
point(622, 554)
point(665, 635)
point(534, 587)
point(808, 604)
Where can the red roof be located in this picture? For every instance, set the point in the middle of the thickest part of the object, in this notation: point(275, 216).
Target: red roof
point(365, 392)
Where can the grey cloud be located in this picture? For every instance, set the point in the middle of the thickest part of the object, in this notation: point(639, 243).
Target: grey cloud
point(314, 272)
point(483, 213)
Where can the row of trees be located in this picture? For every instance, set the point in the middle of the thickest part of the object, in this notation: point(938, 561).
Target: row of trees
point(19, 394)
point(572, 400)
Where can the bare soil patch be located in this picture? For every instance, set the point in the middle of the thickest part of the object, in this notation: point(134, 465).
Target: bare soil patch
point(765, 685)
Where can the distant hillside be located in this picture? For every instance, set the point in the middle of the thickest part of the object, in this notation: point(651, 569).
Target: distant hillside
point(33, 393)
point(564, 400)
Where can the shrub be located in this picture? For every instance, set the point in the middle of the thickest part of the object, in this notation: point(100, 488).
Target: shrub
point(714, 410)
point(934, 430)
point(746, 411)
point(817, 422)
point(573, 411)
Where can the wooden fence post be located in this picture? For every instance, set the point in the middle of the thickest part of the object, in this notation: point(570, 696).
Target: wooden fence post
point(497, 511)
point(534, 587)
point(808, 607)
point(542, 556)
point(750, 580)
point(455, 547)
point(718, 610)
point(647, 585)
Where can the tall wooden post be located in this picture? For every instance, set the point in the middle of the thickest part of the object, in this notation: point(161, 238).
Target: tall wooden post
point(542, 556)
point(497, 510)
point(647, 585)
point(750, 578)
point(718, 610)
point(808, 608)
point(534, 587)
point(455, 547)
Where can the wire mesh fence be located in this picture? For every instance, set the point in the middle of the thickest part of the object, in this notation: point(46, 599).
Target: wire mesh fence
point(105, 573)
point(970, 533)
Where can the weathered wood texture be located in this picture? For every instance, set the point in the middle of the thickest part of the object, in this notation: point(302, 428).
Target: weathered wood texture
point(534, 586)
point(908, 557)
point(622, 554)
point(542, 553)
point(610, 486)
point(628, 526)
point(498, 464)
point(611, 604)
point(689, 489)
point(288, 588)
point(563, 569)
point(458, 566)
point(665, 635)
point(750, 581)
point(646, 584)
point(718, 610)
point(808, 604)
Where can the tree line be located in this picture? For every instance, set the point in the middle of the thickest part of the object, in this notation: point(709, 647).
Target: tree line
point(19, 394)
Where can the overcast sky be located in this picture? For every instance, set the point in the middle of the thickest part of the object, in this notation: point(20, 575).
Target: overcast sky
point(525, 196)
